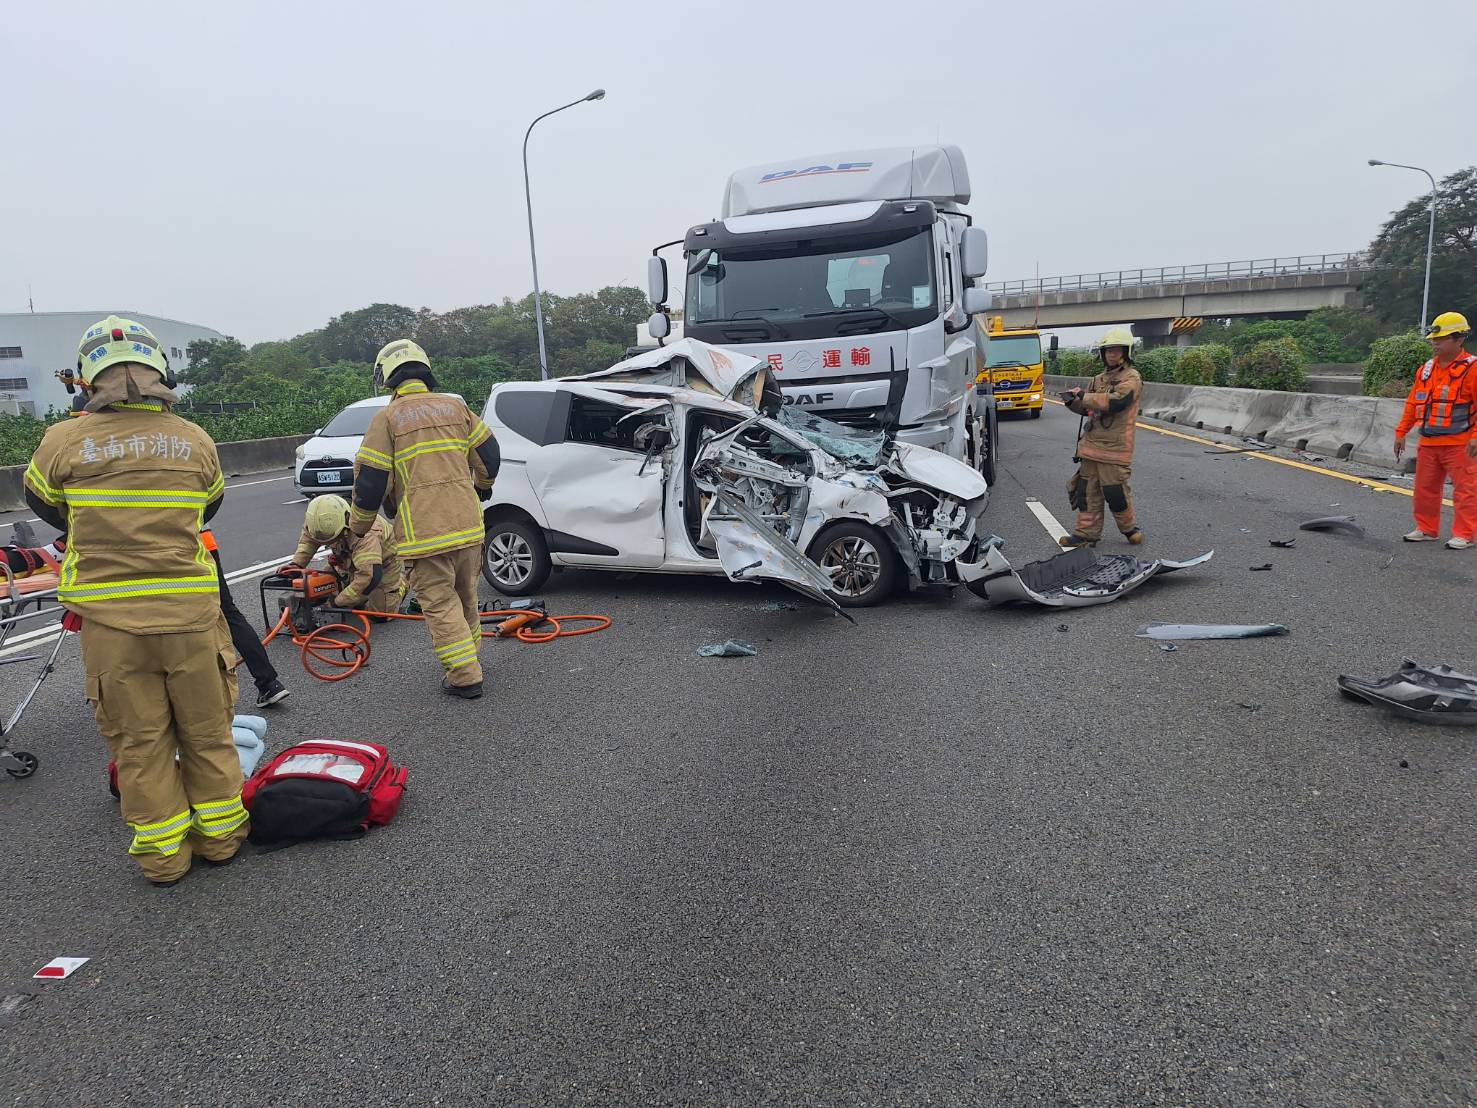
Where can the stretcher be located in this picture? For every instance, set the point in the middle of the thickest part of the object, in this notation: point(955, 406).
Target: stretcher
point(28, 600)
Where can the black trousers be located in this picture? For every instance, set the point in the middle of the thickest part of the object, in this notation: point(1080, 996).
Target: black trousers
point(243, 635)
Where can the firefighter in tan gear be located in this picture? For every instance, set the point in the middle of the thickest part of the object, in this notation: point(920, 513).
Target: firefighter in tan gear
point(1109, 410)
point(428, 461)
point(132, 485)
point(368, 562)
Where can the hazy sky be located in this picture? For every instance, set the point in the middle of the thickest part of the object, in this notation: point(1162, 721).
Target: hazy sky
point(259, 167)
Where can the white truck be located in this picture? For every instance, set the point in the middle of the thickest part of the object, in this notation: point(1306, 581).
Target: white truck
point(852, 275)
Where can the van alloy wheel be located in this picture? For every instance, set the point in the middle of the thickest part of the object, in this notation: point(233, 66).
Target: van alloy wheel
point(858, 561)
point(509, 559)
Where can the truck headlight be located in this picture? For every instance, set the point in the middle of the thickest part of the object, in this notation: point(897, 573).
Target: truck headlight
point(1035, 396)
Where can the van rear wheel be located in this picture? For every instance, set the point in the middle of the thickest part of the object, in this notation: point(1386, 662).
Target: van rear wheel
point(515, 557)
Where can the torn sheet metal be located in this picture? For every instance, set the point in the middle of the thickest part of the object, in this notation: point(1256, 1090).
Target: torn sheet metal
point(750, 549)
point(1182, 631)
point(690, 364)
point(1342, 524)
point(1431, 694)
point(1073, 579)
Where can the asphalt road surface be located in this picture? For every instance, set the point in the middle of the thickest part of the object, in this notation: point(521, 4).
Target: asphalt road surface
point(946, 856)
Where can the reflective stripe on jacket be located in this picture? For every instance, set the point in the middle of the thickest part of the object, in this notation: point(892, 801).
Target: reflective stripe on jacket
point(1442, 401)
point(357, 555)
point(133, 484)
point(426, 446)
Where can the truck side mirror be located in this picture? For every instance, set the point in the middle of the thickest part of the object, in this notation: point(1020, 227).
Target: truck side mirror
point(659, 325)
point(977, 301)
point(976, 253)
point(656, 280)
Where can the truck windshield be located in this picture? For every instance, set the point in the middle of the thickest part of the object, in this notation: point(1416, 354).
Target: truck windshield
point(1013, 350)
point(819, 283)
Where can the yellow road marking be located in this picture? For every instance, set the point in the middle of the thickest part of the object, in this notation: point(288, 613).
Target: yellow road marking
point(1368, 482)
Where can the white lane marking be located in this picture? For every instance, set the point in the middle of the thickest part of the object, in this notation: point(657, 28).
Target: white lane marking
point(302, 500)
point(263, 481)
point(1046, 519)
point(27, 639)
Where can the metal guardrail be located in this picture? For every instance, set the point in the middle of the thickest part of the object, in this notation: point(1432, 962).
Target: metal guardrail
point(1210, 271)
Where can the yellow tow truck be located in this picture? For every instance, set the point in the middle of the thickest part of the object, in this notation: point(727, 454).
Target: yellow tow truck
point(1015, 367)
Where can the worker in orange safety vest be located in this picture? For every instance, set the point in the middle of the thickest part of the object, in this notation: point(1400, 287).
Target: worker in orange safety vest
point(1443, 403)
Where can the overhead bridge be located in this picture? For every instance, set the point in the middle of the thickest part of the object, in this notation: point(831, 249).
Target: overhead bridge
point(1170, 301)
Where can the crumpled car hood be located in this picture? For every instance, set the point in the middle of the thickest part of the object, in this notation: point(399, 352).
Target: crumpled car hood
point(690, 364)
point(925, 504)
point(1076, 578)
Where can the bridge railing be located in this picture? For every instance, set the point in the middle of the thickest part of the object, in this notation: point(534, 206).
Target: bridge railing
point(1209, 271)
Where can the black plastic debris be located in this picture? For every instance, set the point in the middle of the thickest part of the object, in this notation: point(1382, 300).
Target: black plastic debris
point(1167, 647)
point(1250, 707)
point(1163, 631)
point(733, 648)
point(1342, 524)
point(1285, 544)
point(1263, 568)
point(1431, 694)
point(1062, 627)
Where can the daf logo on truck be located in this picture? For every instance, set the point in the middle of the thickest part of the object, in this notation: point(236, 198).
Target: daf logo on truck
point(865, 272)
point(816, 171)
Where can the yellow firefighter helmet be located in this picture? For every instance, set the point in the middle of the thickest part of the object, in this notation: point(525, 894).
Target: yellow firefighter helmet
point(1116, 336)
point(1447, 323)
point(114, 340)
point(327, 518)
point(393, 357)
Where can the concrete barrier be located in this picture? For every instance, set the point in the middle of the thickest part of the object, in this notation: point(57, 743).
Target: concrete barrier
point(1357, 428)
point(237, 459)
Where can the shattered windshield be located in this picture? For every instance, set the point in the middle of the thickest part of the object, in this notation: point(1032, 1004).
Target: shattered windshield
point(855, 446)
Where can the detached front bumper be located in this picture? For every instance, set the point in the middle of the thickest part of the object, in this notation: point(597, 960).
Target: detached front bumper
point(1076, 578)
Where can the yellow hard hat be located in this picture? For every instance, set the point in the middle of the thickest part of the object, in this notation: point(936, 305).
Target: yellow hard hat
point(1447, 323)
point(1116, 336)
point(114, 340)
point(327, 518)
point(394, 355)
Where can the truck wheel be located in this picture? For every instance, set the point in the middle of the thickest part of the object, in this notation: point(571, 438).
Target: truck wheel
point(1035, 413)
point(864, 561)
point(515, 558)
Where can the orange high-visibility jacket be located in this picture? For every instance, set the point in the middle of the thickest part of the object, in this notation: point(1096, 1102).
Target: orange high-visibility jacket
point(1443, 401)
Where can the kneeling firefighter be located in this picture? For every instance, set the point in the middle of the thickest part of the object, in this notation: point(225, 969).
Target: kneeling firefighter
point(132, 485)
point(1109, 410)
point(368, 562)
point(430, 462)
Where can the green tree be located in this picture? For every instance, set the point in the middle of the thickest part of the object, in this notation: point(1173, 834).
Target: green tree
point(212, 360)
point(1400, 250)
point(1273, 364)
point(358, 335)
point(1195, 367)
point(1158, 363)
point(1393, 362)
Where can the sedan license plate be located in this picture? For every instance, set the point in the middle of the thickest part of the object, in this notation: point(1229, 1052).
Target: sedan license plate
point(328, 477)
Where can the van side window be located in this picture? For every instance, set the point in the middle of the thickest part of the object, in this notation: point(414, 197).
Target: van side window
point(593, 422)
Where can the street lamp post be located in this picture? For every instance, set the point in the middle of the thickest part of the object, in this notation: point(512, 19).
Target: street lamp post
point(1430, 235)
point(538, 302)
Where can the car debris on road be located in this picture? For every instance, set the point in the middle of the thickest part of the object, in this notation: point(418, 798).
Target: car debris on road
point(1342, 524)
point(1075, 578)
point(1182, 631)
point(1431, 694)
point(733, 648)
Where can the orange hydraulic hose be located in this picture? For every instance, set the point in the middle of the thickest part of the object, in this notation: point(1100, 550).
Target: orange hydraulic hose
point(341, 646)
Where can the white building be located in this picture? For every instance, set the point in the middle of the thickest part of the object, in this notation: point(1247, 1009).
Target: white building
point(35, 345)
